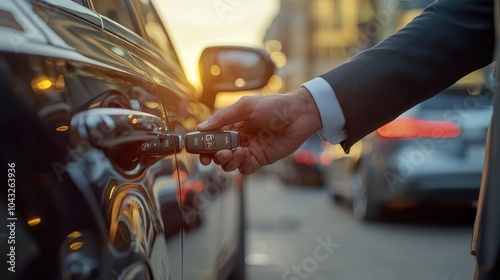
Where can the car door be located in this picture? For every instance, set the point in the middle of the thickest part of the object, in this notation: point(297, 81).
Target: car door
point(485, 243)
point(121, 143)
point(202, 207)
point(203, 203)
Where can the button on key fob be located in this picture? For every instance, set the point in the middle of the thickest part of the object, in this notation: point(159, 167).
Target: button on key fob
point(211, 141)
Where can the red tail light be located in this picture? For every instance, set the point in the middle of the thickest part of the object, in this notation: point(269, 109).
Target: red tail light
point(305, 156)
point(415, 128)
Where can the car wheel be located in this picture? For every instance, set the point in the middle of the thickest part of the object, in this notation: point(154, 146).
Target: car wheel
point(336, 197)
point(363, 206)
point(289, 177)
point(329, 183)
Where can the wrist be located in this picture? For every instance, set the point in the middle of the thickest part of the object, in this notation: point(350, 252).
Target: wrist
point(308, 108)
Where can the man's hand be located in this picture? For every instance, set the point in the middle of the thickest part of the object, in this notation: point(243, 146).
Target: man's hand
point(271, 127)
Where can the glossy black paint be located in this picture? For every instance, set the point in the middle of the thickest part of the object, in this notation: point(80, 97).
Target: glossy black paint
point(93, 121)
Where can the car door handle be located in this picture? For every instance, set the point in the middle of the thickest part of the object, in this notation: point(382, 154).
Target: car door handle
point(112, 128)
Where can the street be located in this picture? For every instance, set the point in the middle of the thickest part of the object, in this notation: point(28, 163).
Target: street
point(299, 233)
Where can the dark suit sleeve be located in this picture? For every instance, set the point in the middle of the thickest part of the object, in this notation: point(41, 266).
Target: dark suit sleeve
point(450, 39)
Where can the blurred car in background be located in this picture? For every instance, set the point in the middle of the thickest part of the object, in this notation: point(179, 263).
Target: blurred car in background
point(431, 154)
point(306, 166)
point(96, 107)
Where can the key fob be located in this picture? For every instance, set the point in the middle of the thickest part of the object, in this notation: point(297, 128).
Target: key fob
point(211, 141)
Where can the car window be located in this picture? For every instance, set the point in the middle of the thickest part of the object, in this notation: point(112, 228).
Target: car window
point(81, 2)
point(116, 10)
point(153, 29)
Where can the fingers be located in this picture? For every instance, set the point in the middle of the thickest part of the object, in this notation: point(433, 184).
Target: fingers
point(223, 157)
point(249, 166)
point(240, 159)
point(206, 159)
point(238, 156)
point(237, 112)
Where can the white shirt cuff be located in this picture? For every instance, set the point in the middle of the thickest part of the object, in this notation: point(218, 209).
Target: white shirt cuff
point(331, 114)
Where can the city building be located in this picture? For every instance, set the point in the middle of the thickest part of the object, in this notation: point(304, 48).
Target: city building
point(309, 37)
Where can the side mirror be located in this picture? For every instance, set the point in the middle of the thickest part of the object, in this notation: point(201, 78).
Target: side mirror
point(233, 68)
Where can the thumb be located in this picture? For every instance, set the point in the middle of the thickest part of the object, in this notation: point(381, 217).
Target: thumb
point(239, 111)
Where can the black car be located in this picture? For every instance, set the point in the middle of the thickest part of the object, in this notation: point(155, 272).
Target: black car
point(432, 154)
point(306, 166)
point(97, 182)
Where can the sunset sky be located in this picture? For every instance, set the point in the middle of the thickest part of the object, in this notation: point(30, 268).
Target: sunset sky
point(195, 24)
